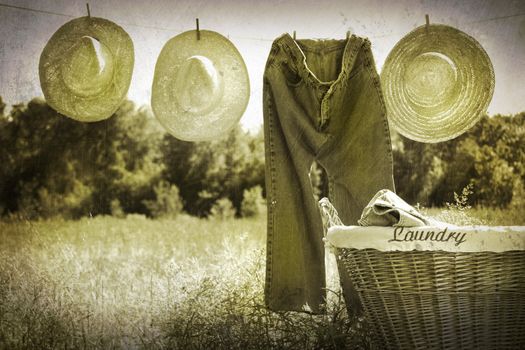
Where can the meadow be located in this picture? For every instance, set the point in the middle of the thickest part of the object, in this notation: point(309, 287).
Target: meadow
point(185, 283)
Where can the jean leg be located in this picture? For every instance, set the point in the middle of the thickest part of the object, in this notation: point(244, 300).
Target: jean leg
point(295, 274)
point(358, 158)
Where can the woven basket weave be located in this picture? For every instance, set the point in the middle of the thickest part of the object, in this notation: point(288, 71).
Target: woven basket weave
point(438, 299)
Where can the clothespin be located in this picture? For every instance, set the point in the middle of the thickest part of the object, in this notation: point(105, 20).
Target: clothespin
point(88, 11)
point(347, 34)
point(198, 30)
point(427, 20)
point(294, 35)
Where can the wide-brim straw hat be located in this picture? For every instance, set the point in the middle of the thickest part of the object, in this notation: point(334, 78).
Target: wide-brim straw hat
point(86, 67)
point(200, 87)
point(437, 83)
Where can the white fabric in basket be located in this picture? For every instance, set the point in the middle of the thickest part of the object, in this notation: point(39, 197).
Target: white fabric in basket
point(388, 209)
point(446, 238)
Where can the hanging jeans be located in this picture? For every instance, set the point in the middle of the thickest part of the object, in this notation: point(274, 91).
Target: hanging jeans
point(322, 102)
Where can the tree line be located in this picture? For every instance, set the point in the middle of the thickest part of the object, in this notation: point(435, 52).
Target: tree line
point(54, 166)
point(489, 159)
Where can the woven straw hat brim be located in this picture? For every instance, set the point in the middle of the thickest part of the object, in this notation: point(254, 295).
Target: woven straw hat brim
point(463, 81)
point(102, 104)
point(229, 64)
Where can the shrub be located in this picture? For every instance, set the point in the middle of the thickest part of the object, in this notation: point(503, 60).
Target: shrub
point(116, 209)
point(206, 171)
point(222, 209)
point(253, 203)
point(518, 194)
point(167, 203)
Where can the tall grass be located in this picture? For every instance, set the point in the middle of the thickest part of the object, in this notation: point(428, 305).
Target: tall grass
point(461, 213)
point(137, 283)
point(184, 283)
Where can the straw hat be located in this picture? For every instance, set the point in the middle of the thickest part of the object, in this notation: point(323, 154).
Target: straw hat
point(86, 67)
point(200, 87)
point(437, 83)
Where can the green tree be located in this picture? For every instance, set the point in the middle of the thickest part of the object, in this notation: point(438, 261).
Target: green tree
point(222, 209)
point(55, 165)
point(253, 203)
point(490, 157)
point(207, 171)
point(167, 201)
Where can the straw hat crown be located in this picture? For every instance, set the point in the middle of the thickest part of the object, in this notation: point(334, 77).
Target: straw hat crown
point(200, 87)
point(437, 83)
point(86, 67)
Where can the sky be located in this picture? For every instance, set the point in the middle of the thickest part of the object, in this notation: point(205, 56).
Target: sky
point(252, 25)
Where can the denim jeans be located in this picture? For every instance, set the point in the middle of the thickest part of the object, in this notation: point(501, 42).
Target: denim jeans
point(322, 102)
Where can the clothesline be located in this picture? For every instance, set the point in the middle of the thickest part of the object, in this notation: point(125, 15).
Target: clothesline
point(234, 37)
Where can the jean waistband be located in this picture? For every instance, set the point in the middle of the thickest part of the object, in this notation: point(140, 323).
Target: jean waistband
point(296, 53)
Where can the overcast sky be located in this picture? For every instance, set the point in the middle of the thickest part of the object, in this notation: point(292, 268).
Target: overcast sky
point(253, 24)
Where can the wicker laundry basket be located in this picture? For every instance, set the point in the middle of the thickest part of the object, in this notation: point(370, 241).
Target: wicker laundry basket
point(436, 299)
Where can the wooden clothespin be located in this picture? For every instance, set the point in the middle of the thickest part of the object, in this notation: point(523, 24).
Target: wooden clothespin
point(294, 35)
point(88, 10)
point(427, 20)
point(198, 30)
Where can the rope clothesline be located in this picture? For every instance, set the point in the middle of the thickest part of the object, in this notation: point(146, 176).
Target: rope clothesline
point(72, 16)
point(235, 37)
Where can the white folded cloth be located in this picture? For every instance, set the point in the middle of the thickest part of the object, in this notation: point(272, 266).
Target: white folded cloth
point(387, 209)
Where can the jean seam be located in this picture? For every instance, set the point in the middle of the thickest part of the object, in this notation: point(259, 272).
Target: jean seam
point(368, 61)
point(271, 218)
point(273, 55)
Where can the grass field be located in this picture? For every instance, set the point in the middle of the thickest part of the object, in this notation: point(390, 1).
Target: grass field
point(186, 283)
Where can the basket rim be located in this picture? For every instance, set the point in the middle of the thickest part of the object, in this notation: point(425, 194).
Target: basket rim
point(449, 238)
